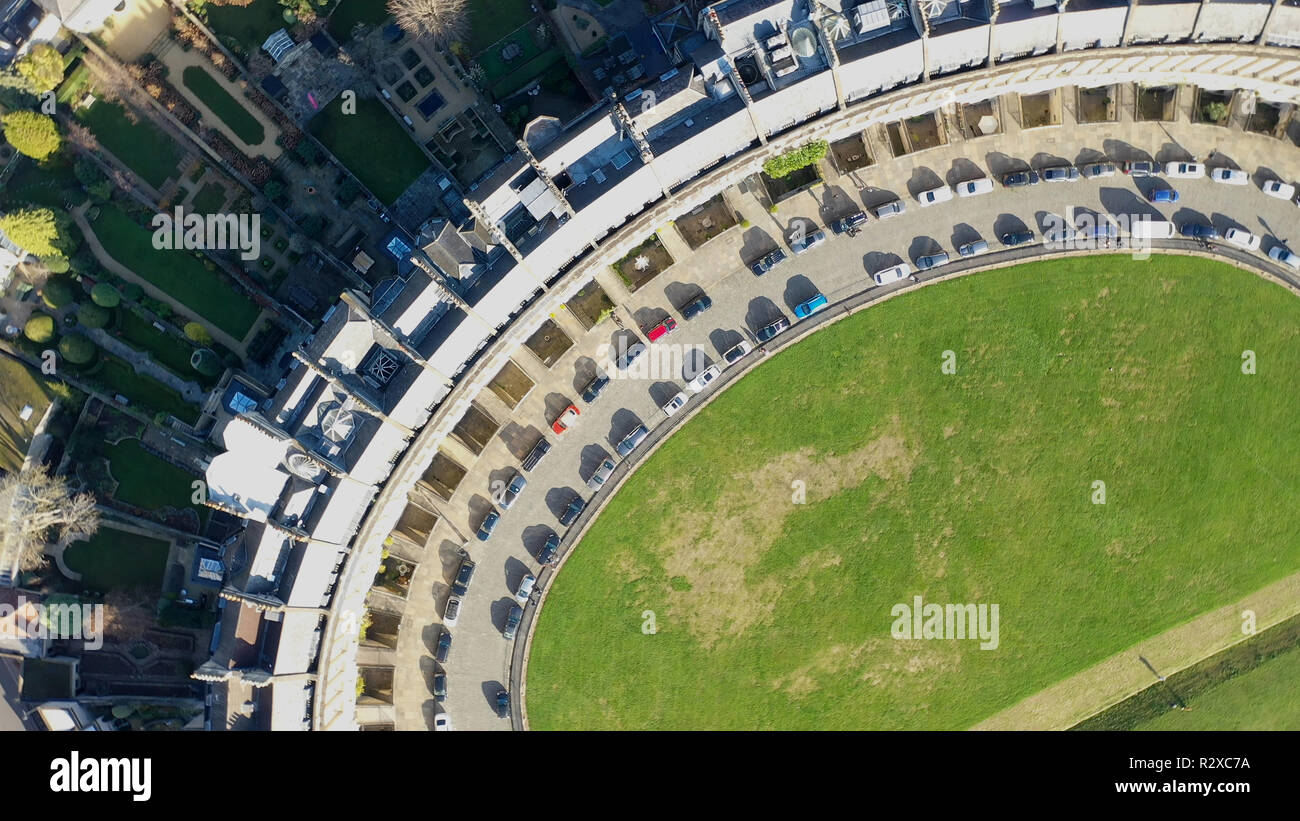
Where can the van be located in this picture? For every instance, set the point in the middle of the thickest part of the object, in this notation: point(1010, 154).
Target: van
point(633, 439)
point(535, 455)
point(1151, 229)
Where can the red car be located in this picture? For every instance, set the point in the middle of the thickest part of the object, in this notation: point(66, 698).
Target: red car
point(562, 422)
point(662, 329)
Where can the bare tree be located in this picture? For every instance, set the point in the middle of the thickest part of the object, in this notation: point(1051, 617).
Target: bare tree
point(443, 21)
point(35, 505)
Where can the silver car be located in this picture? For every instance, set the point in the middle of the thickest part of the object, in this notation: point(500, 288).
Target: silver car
point(601, 475)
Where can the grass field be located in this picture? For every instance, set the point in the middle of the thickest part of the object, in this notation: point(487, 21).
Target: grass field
point(170, 352)
point(231, 111)
point(117, 559)
point(1265, 698)
point(146, 481)
point(177, 272)
point(488, 19)
point(250, 24)
point(357, 139)
point(350, 12)
point(974, 487)
point(210, 198)
point(145, 149)
point(21, 386)
point(119, 377)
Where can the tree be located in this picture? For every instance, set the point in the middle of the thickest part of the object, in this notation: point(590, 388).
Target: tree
point(132, 291)
point(198, 334)
point(42, 68)
point(35, 505)
point(31, 134)
point(105, 295)
point(788, 163)
point(1215, 112)
point(35, 230)
point(39, 329)
point(57, 292)
point(77, 349)
point(442, 21)
point(92, 315)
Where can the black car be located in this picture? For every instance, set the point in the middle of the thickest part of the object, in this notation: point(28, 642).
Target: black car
point(594, 387)
point(547, 554)
point(444, 647)
point(512, 621)
point(571, 512)
point(503, 704)
point(535, 455)
point(625, 360)
point(697, 306)
point(763, 265)
point(1015, 238)
point(1198, 230)
point(843, 224)
point(1020, 179)
point(463, 577)
point(440, 687)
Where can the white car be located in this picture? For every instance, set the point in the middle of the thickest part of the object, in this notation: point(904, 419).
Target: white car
point(1242, 239)
point(1230, 176)
point(452, 611)
point(901, 271)
point(525, 588)
point(974, 188)
point(702, 381)
point(1185, 170)
point(940, 194)
point(737, 352)
point(1283, 254)
point(1279, 189)
point(442, 721)
point(674, 404)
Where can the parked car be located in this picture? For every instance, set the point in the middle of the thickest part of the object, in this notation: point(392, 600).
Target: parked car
point(463, 577)
point(900, 271)
point(1141, 168)
point(629, 442)
point(973, 188)
point(929, 261)
point(444, 647)
point(701, 381)
point(1020, 179)
point(503, 704)
point(1230, 176)
point(525, 590)
point(1061, 173)
point(489, 525)
point(1163, 195)
point(852, 221)
point(513, 489)
point(1197, 230)
point(807, 240)
point(1099, 169)
point(594, 388)
point(1013, 238)
point(737, 352)
point(1185, 170)
point(566, 418)
point(513, 618)
point(442, 722)
point(675, 404)
point(941, 194)
point(535, 455)
point(806, 309)
point(1283, 255)
point(1279, 189)
point(629, 356)
point(1059, 233)
point(451, 613)
point(973, 249)
point(597, 479)
point(890, 209)
point(1242, 239)
point(662, 329)
point(546, 555)
point(570, 514)
point(770, 330)
point(697, 306)
point(440, 687)
point(767, 262)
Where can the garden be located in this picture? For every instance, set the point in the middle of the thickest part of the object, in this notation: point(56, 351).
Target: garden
point(644, 263)
point(138, 143)
point(232, 112)
point(358, 139)
point(117, 560)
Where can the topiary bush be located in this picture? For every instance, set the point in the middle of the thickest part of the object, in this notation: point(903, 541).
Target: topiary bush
point(198, 334)
point(40, 328)
point(132, 291)
point(57, 292)
point(786, 164)
point(77, 349)
point(105, 295)
point(93, 316)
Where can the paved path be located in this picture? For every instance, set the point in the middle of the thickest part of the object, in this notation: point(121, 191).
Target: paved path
point(11, 719)
point(142, 363)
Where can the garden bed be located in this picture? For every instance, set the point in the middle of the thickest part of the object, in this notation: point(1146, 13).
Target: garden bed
point(244, 125)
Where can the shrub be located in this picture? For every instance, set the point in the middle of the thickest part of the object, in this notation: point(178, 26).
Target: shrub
point(205, 362)
point(31, 134)
point(105, 295)
point(57, 292)
point(132, 291)
point(198, 334)
point(57, 264)
point(40, 328)
point(92, 315)
point(77, 349)
point(788, 163)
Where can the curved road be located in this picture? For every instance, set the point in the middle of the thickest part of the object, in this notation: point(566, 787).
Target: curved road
point(481, 661)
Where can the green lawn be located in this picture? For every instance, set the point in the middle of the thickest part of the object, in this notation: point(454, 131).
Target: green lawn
point(358, 139)
point(167, 350)
point(974, 487)
point(177, 272)
point(350, 12)
point(40, 184)
point(210, 198)
point(494, 67)
point(146, 481)
point(141, 145)
point(118, 377)
point(231, 111)
point(21, 386)
point(489, 18)
point(250, 24)
point(116, 559)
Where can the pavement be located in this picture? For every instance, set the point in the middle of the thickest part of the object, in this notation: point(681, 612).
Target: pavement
point(11, 715)
point(480, 659)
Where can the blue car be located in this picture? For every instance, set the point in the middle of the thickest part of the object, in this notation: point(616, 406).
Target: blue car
point(812, 306)
point(547, 554)
point(767, 263)
point(489, 525)
point(1163, 195)
point(1198, 231)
